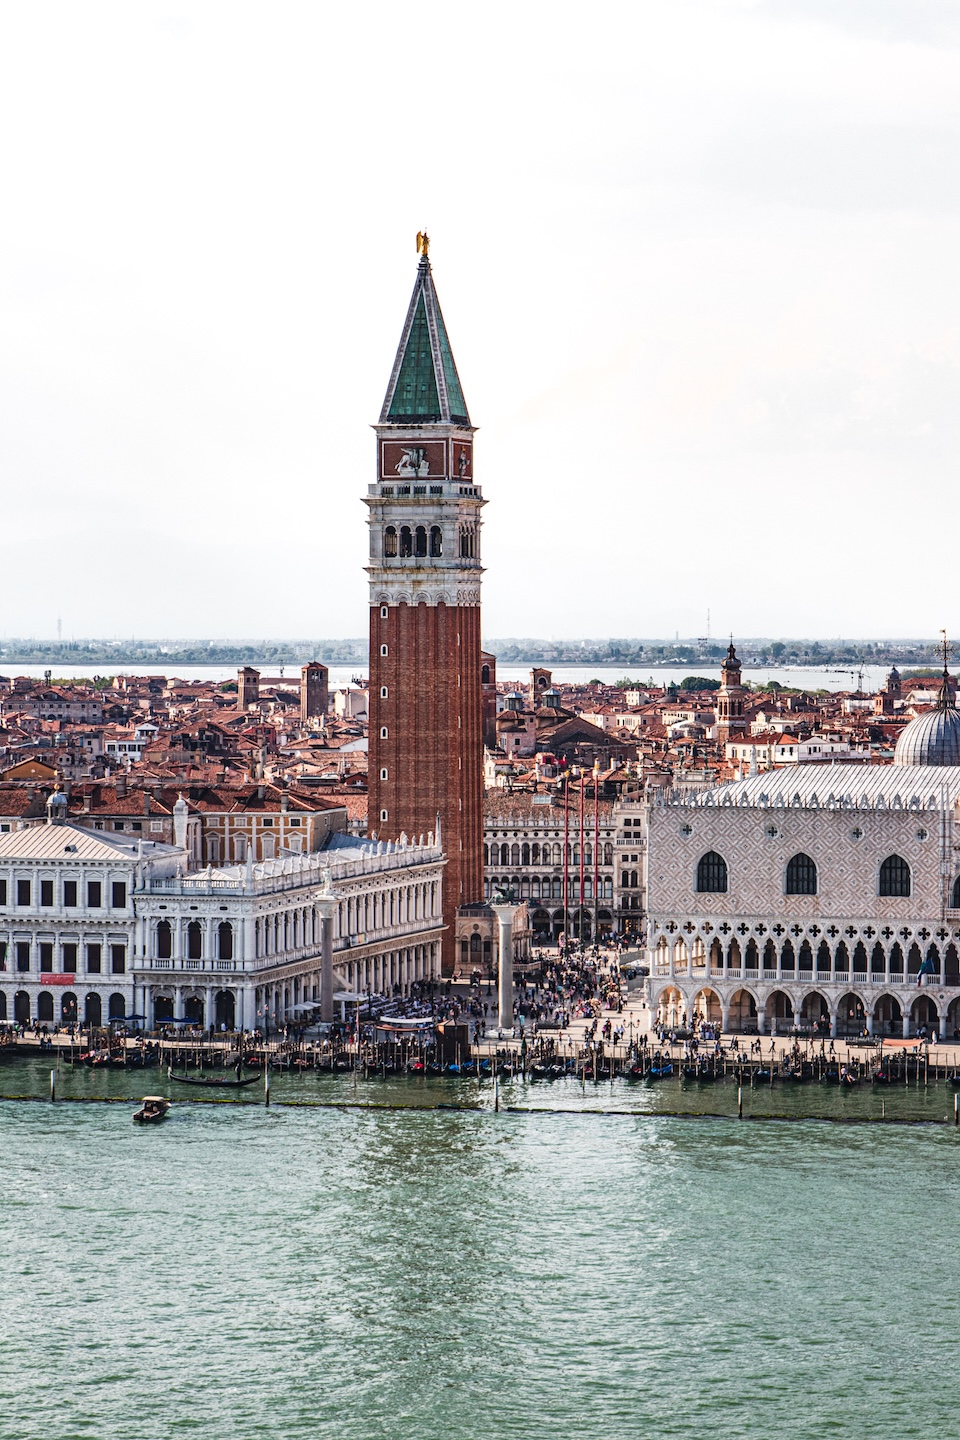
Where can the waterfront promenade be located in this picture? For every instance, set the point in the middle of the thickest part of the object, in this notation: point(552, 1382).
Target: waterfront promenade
point(514, 1052)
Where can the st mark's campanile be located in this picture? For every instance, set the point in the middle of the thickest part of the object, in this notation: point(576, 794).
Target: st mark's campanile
point(426, 750)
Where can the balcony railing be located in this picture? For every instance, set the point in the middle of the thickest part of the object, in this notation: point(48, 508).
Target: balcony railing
point(700, 973)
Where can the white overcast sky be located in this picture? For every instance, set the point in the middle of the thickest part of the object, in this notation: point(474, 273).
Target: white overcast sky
point(698, 260)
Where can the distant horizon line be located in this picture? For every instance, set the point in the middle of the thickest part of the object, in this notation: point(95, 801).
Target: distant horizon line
point(721, 641)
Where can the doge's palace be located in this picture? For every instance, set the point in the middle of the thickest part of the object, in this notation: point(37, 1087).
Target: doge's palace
point(821, 897)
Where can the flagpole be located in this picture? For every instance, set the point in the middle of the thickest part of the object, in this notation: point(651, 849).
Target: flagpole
point(566, 859)
point(596, 852)
point(582, 856)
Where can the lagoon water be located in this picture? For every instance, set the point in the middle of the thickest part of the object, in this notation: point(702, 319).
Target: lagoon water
point(424, 1274)
point(798, 677)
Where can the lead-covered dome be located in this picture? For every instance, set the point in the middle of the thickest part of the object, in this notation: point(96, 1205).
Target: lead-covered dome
point(930, 739)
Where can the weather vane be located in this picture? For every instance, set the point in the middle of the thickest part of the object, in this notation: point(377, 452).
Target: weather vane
point(945, 702)
point(423, 243)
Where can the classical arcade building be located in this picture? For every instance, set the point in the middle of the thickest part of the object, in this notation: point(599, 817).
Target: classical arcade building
point(242, 946)
point(821, 897)
point(99, 928)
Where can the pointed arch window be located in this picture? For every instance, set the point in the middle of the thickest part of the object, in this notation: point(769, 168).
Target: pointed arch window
point(712, 874)
point(801, 875)
point(895, 876)
point(955, 902)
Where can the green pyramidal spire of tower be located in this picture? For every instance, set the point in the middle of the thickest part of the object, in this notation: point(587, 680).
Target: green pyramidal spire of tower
point(424, 385)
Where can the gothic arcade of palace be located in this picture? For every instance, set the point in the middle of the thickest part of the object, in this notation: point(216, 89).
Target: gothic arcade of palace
point(815, 896)
point(426, 754)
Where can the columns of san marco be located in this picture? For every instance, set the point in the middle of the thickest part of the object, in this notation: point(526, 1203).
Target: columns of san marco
point(326, 904)
point(505, 911)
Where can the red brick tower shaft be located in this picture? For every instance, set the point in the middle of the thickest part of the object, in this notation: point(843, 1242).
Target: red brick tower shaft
point(426, 749)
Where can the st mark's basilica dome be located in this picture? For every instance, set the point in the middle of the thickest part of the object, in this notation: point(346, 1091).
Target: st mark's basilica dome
point(932, 738)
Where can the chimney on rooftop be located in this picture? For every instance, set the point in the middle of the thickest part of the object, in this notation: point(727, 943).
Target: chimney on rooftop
point(121, 784)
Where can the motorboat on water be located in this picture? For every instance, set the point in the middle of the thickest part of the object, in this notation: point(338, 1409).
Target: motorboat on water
point(152, 1111)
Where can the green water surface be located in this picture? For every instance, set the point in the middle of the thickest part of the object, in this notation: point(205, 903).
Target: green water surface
point(421, 1274)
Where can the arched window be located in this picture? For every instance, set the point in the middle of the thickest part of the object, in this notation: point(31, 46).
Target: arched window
point(164, 940)
point(895, 876)
point(524, 854)
point(406, 541)
point(466, 542)
point(194, 941)
point(225, 940)
point(421, 538)
point(801, 875)
point(436, 541)
point(484, 674)
point(955, 902)
point(390, 540)
point(514, 855)
point(712, 874)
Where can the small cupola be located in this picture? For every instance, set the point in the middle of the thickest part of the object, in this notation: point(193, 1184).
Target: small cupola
point(57, 808)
